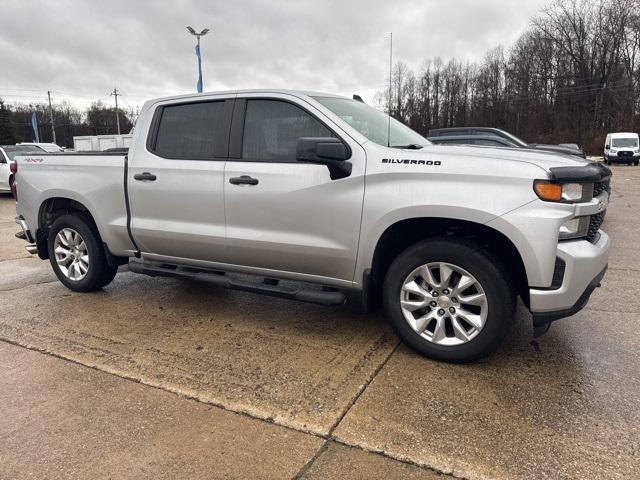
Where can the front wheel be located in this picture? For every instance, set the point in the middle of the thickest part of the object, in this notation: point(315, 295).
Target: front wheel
point(449, 300)
point(77, 255)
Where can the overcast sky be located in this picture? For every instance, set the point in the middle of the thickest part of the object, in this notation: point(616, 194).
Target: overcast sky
point(81, 49)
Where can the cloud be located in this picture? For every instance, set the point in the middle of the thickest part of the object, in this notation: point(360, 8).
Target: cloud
point(82, 49)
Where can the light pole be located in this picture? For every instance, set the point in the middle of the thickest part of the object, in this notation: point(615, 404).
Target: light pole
point(198, 35)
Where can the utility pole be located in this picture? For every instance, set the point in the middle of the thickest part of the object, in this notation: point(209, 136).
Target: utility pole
point(390, 81)
point(115, 95)
point(53, 128)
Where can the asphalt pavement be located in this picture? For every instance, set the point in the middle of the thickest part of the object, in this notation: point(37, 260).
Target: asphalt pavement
point(163, 378)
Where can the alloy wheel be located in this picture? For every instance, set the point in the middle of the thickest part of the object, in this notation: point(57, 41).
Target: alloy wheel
point(444, 303)
point(72, 255)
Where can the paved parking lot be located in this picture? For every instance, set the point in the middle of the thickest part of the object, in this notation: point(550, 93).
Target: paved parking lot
point(162, 378)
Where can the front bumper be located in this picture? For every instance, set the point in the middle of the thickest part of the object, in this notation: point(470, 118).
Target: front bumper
point(586, 264)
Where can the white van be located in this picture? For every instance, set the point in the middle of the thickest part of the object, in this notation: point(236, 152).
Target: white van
point(622, 148)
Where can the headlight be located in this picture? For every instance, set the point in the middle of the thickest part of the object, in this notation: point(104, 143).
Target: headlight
point(613, 150)
point(558, 192)
point(572, 192)
point(575, 228)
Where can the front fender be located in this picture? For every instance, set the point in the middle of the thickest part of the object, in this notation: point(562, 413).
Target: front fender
point(460, 191)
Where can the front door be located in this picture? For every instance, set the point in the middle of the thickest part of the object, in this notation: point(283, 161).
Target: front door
point(176, 179)
point(284, 215)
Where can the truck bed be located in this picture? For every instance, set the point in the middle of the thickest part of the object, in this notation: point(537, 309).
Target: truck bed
point(94, 179)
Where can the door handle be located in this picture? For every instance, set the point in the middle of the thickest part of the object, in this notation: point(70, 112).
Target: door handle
point(145, 176)
point(243, 180)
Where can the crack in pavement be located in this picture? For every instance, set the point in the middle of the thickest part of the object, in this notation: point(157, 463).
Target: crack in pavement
point(307, 466)
point(361, 390)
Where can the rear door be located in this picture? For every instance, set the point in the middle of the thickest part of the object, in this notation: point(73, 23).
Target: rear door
point(289, 216)
point(175, 181)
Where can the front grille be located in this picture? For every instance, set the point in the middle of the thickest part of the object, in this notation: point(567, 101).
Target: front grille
point(625, 154)
point(600, 187)
point(594, 225)
point(596, 220)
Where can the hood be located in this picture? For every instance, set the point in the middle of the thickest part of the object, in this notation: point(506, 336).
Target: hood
point(540, 158)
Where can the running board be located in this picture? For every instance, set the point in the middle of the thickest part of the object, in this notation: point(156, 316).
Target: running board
point(322, 297)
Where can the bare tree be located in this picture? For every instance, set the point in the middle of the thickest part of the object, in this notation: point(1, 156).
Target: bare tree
point(573, 76)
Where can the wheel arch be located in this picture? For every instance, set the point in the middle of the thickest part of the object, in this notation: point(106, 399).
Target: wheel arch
point(54, 207)
point(402, 234)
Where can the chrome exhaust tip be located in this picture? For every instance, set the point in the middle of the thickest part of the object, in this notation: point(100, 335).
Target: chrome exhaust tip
point(32, 248)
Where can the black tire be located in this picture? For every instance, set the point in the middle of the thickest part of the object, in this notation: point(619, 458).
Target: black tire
point(10, 181)
point(636, 163)
point(490, 273)
point(99, 273)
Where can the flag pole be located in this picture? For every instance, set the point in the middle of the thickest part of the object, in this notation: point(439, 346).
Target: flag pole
point(198, 55)
point(199, 86)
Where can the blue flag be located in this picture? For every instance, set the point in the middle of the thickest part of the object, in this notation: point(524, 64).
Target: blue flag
point(34, 125)
point(199, 69)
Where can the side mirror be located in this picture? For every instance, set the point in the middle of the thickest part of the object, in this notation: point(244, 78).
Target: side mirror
point(606, 147)
point(328, 151)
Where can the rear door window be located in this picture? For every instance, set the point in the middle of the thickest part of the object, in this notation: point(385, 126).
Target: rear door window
point(189, 131)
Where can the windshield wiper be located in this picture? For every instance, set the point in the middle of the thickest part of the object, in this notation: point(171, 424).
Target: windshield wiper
point(411, 146)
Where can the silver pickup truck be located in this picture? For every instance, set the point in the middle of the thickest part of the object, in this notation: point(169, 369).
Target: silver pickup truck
point(310, 196)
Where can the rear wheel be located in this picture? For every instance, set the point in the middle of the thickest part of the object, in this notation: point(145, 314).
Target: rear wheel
point(449, 300)
point(77, 255)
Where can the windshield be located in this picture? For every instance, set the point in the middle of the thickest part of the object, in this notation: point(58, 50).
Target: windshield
point(13, 151)
point(515, 139)
point(628, 142)
point(372, 123)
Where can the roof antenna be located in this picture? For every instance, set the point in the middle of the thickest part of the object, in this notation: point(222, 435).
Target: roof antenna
point(390, 70)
